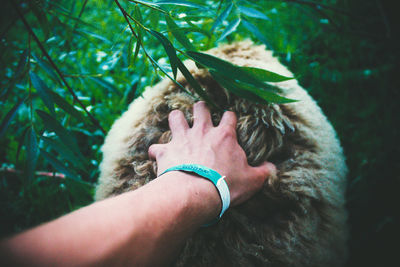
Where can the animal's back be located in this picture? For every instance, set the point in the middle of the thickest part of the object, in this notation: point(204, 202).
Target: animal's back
point(298, 219)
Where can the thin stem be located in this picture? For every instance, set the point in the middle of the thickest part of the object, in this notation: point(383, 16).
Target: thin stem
point(149, 6)
point(125, 14)
point(71, 91)
point(29, 81)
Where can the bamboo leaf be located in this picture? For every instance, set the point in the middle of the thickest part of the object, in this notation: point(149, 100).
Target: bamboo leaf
point(173, 58)
point(253, 29)
point(53, 125)
point(181, 3)
point(62, 103)
point(243, 78)
point(47, 68)
point(253, 13)
point(32, 152)
point(137, 49)
point(139, 18)
point(23, 60)
point(21, 141)
point(230, 85)
point(222, 17)
point(63, 151)
point(229, 70)
point(43, 91)
point(249, 92)
point(175, 30)
point(87, 34)
point(129, 51)
point(229, 29)
point(59, 166)
point(185, 30)
point(139, 39)
point(105, 84)
point(196, 86)
point(64, 13)
point(9, 117)
point(265, 75)
point(171, 78)
point(41, 17)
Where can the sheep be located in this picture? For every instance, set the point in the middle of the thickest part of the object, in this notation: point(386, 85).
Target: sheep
point(299, 216)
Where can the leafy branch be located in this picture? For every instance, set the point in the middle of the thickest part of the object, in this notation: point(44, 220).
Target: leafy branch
point(249, 83)
point(41, 47)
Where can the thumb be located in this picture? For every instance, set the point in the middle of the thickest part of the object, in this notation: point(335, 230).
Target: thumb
point(266, 170)
point(156, 150)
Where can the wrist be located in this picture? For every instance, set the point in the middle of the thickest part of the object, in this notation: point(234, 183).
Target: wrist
point(201, 199)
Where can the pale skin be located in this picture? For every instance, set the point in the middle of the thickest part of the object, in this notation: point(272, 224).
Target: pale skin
point(148, 226)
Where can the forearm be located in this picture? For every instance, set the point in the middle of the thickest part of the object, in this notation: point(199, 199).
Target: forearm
point(145, 227)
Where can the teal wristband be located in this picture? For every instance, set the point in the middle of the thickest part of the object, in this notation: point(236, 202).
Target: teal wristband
point(217, 179)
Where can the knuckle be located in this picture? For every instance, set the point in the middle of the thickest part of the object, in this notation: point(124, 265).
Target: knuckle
point(227, 131)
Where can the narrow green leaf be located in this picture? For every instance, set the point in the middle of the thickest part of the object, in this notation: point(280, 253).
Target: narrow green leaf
point(171, 52)
point(53, 125)
point(63, 104)
point(67, 15)
point(32, 152)
point(231, 86)
point(137, 49)
point(105, 84)
point(181, 3)
point(129, 51)
point(229, 70)
point(43, 91)
point(229, 29)
point(139, 40)
point(186, 30)
point(21, 141)
point(196, 86)
point(171, 78)
point(270, 97)
point(254, 30)
point(265, 75)
point(250, 92)
point(63, 151)
point(253, 13)
point(87, 34)
point(23, 60)
point(9, 117)
point(175, 30)
point(147, 3)
point(47, 68)
point(222, 17)
point(41, 17)
point(59, 166)
point(138, 16)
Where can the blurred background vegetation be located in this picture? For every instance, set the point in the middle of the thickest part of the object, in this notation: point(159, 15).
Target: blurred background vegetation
point(70, 68)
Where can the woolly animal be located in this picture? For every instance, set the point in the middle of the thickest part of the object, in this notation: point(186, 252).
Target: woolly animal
point(297, 219)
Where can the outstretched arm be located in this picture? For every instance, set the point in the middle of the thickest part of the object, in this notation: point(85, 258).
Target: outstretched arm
point(147, 227)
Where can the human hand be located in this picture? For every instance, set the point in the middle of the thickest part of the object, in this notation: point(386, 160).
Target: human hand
point(214, 147)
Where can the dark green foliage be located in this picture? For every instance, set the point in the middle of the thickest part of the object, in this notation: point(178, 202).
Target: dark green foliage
point(92, 58)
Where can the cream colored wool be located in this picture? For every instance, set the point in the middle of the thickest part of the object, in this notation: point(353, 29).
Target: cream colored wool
point(298, 218)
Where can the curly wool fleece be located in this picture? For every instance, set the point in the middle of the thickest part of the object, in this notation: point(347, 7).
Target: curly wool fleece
point(297, 219)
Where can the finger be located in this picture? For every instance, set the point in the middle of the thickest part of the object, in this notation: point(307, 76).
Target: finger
point(156, 150)
point(266, 170)
point(201, 115)
point(229, 119)
point(177, 123)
